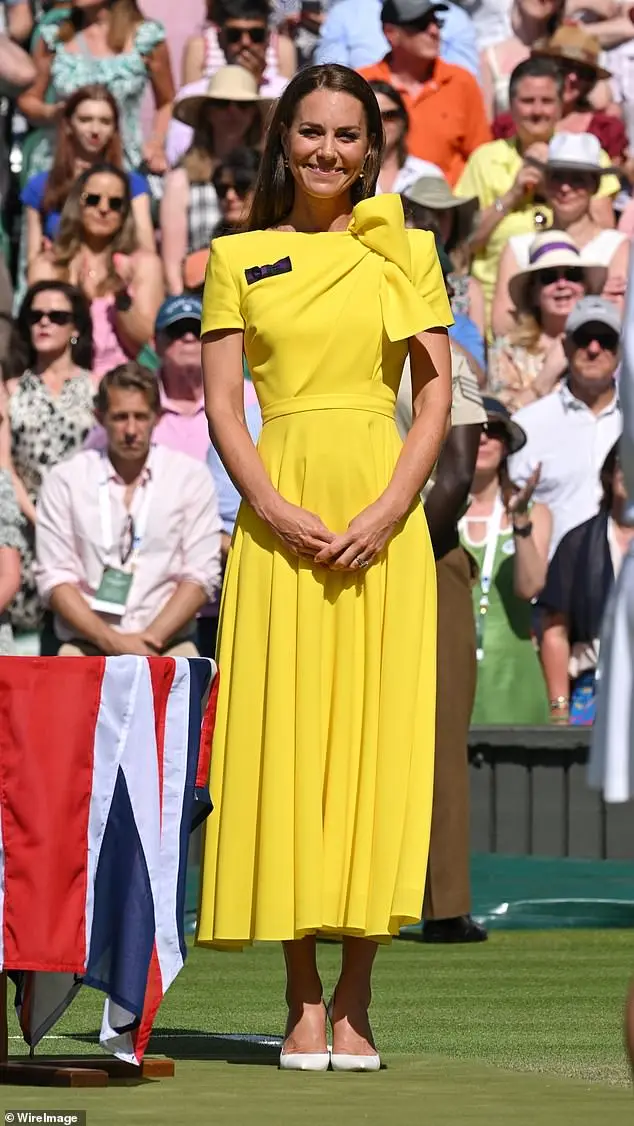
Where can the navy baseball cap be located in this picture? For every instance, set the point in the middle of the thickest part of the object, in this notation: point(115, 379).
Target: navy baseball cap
point(176, 309)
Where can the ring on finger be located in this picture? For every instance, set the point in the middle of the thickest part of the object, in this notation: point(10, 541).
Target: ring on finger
point(359, 562)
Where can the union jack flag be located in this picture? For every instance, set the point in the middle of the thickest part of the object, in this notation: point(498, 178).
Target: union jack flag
point(104, 764)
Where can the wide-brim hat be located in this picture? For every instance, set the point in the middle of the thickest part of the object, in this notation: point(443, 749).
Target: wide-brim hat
point(434, 193)
point(229, 84)
point(554, 248)
point(573, 44)
point(577, 152)
point(497, 412)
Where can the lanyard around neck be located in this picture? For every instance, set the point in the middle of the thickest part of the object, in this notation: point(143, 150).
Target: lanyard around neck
point(486, 572)
point(139, 509)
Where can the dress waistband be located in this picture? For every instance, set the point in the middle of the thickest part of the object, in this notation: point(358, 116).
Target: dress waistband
point(372, 403)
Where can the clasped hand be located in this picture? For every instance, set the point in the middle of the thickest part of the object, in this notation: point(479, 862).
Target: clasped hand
point(305, 534)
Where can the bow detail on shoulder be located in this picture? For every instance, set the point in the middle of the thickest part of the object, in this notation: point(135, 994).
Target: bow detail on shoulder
point(378, 223)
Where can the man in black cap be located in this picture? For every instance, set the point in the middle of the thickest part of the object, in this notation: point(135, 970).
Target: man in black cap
point(446, 110)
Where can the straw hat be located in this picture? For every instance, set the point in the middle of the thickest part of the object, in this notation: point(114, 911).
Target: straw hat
point(230, 83)
point(579, 152)
point(434, 192)
point(573, 44)
point(554, 248)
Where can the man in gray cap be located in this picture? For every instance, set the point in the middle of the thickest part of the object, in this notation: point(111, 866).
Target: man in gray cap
point(571, 428)
point(447, 117)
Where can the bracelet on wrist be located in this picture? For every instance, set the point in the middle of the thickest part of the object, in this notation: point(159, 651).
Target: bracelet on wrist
point(499, 205)
point(123, 301)
point(560, 704)
point(523, 530)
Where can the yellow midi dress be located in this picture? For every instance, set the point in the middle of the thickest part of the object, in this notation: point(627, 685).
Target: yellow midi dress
point(322, 760)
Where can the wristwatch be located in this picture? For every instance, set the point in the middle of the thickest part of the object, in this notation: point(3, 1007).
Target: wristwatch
point(123, 301)
point(498, 204)
point(523, 532)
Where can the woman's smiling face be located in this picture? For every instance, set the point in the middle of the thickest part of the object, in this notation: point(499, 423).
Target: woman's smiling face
point(327, 143)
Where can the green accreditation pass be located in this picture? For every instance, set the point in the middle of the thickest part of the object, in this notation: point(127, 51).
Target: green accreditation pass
point(112, 595)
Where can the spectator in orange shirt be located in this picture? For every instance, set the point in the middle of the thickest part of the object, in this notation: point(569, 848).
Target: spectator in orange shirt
point(445, 105)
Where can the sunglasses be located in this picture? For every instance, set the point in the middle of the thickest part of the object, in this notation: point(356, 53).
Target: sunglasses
point(93, 199)
point(571, 178)
point(255, 34)
point(55, 316)
point(182, 328)
point(423, 23)
point(240, 187)
point(391, 115)
point(560, 273)
point(226, 103)
point(496, 430)
point(605, 338)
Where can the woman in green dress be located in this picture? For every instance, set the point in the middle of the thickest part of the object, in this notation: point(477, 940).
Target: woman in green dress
point(508, 538)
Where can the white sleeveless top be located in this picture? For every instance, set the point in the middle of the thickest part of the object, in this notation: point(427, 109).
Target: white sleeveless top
point(598, 252)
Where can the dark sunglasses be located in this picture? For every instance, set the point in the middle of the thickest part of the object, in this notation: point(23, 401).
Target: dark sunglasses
point(55, 316)
point(604, 337)
point(571, 178)
point(423, 23)
point(240, 187)
point(255, 34)
point(496, 430)
point(226, 103)
point(93, 199)
point(558, 273)
point(392, 115)
point(182, 328)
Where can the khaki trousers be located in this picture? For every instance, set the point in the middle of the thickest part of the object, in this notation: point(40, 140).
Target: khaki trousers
point(447, 891)
point(85, 649)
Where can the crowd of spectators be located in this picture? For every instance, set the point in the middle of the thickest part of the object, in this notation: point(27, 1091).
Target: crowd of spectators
point(126, 147)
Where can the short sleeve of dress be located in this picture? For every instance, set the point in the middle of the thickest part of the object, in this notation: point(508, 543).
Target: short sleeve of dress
point(50, 35)
point(9, 513)
point(427, 276)
point(33, 191)
point(221, 298)
point(138, 184)
point(148, 35)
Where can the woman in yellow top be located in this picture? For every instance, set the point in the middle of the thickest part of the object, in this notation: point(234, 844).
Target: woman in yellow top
point(322, 762)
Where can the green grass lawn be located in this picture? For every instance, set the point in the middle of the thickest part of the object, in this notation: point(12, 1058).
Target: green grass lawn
point(526, 1027)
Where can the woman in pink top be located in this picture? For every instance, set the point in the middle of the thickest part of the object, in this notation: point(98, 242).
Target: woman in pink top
point(97, 250)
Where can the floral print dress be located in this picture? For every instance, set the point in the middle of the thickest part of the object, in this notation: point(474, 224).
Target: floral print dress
point(45, 430)
point(9, 537)
point(126, 76)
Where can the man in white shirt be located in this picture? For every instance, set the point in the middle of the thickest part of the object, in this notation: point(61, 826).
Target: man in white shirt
point(571, 430)
point(128, 539)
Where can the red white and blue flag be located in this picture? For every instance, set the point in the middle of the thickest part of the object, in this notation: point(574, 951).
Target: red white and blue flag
point(104, 766)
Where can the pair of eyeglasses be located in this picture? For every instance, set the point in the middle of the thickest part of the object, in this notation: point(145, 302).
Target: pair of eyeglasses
point(560, 273)
point(182, 328)
point(255, 34)
point(240, 188)
point(227, 103)
point(495, 430)
point(391, 115)
point(423, 23)
point(605, 338)
point(55, 316)
point(571, 178)
point(94, 199)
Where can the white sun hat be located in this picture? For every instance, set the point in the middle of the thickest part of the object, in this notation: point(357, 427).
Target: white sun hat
point(554, 248)
point(580, 152)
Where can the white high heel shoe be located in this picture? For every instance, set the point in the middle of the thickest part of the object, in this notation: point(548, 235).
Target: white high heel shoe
point(344, 1061)
point(304, 1061)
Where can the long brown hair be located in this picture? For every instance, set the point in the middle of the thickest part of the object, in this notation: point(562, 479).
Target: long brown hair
point(275, 187)
point(125, 17)
point(62, 175)
point(69, 240)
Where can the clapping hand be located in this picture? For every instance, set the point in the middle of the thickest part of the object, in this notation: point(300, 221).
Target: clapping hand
point(614, 288)
point(124, 265)
point(517, 499)
point(154, 157)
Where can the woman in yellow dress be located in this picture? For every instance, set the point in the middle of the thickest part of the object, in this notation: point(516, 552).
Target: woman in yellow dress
point(322, 763)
